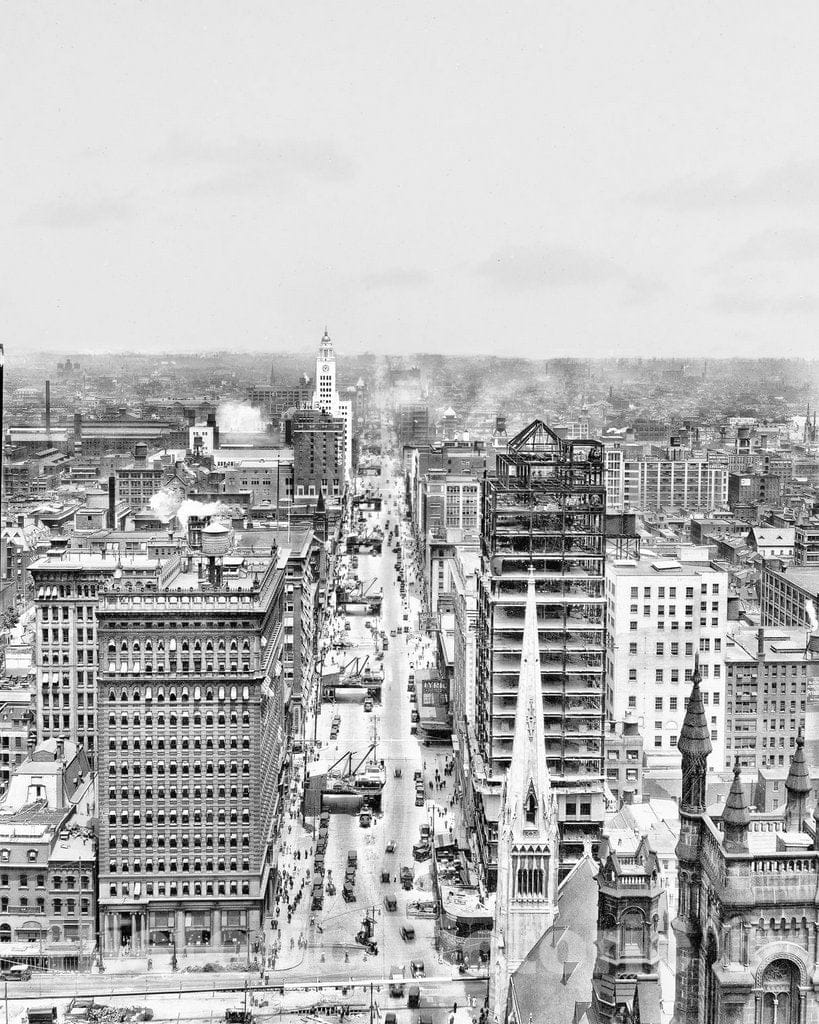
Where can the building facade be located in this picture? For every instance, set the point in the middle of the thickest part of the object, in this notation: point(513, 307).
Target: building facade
point(191, 738)
point(770, 676)
point(326, 398)
point(660, 612)
point(66, 588)
point(747, 920)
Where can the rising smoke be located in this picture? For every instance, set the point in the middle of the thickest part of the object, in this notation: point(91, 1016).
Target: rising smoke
point(168, 502)
point(810, 609)
point(239, 418)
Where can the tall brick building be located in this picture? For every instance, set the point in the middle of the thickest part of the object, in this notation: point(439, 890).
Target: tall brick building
point(191, 745)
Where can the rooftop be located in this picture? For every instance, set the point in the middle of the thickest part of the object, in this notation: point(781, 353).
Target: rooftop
point(657, 567)
point(779, 644)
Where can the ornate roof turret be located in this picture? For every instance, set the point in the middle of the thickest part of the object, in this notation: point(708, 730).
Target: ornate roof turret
point(737, 815)
point(798, 780)
point(695, 737)
point(798, 786)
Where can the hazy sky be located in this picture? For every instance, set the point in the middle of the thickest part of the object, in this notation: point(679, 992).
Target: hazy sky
point(530, 178)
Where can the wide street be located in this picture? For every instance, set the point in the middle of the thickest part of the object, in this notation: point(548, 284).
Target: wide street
point(314, 949)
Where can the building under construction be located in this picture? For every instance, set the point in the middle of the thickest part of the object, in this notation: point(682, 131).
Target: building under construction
point(543, 507)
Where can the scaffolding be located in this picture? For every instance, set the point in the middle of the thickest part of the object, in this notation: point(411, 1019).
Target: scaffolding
point(545, 508)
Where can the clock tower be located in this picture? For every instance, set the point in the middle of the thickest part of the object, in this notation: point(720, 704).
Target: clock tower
point(326, 397)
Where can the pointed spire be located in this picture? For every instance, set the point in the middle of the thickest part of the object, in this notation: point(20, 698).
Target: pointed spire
point(737, 815)
point(695, 738)
point(320, 502)
point(798, 780)
point(528, 775)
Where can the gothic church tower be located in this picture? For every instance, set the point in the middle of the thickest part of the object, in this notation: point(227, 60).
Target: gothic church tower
point(526, 897)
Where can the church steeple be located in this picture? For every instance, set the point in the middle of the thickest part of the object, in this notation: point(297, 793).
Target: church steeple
point(695, 745)
point(526, 896)
point(798, 787)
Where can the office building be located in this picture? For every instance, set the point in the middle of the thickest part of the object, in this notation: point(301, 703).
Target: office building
point(66, 588)
point(191, 736)
point(326, 397)
point(660, 612)
point(770, 676)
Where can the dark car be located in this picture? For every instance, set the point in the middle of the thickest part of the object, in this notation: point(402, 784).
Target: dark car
point(391, 902)
point(348, 892)
point(407, 932)
point(422, 851)
point(417, 968)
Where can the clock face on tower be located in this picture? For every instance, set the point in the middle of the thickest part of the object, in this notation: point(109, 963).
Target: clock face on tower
point(325, 368)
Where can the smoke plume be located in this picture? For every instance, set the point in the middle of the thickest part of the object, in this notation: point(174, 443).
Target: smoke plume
point(810, 609)
point(239, 418)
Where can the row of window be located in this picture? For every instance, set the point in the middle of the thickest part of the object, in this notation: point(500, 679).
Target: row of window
point(222, 888)
point(173, 768)
point(136, 867)
point(40, 881)
point(183, 840)
point(183, 694)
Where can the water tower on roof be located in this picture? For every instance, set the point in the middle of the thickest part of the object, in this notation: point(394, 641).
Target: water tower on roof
point(216, 542)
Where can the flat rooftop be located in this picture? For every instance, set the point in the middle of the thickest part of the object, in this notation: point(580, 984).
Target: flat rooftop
point(806, 577)
point(778, 645)
point(658, 567)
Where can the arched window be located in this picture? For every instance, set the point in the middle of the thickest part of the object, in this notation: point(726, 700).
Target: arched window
point(632, 926)
point(780, 993)
point(530, 807)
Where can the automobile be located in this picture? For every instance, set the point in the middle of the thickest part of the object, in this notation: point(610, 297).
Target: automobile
point(331, 889)
point(347, 627)
point(318, 901)
point(397, 975)
point(425, 1017)
point(412, 677)
point(365, 819)
point(418, 775)
point(413, 730)
point(414, 996)
point(407, 932)
point(425, 832)
point(390, 847)
point(325, 818)
point(422, 851)
point(417, 968)
point(413, 697)
point(419, 799)
point(392, 632)
point(406, 877)
point(414, 716)
point(391, 902)
point(368, 704)
point(348, 893)
point(389, 1017)
point(386, 645)
point(406, 617)
point(406, 628)
point(17, 972)
point(352, 859)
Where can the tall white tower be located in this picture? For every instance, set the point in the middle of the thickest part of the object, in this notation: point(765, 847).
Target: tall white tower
point(325, 397)
point(526, 898)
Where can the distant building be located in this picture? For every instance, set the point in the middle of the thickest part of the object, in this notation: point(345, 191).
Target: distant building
point(806, 542)
point(326, 397)
point(318, 441)
point(624, 759)
point(786, 593)
point(770, 676)
point(675, 479)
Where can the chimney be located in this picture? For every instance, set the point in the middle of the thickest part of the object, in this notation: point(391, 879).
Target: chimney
point(48, 405)
point(212, 423)
point(760, 643)
point(112, 502)
point(60, 750)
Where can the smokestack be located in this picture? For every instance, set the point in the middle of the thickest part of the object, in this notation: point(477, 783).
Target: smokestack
point(48, 406)
point(760, 643)
point(112, 502)
point(212, 423)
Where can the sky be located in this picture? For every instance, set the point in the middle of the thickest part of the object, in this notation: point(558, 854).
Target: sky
point(529, 179)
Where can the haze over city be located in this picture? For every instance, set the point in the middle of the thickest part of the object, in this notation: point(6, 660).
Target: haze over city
point(535, 179)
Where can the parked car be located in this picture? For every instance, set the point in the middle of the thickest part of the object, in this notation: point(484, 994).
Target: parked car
point(391, 902)
point(422, 851)
point(419, 799)
point(414, 996)
point(390, 847)
point(406, 877)
point(18, 972)
point(417, 968)
point(348, 892)
point(352, 859)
